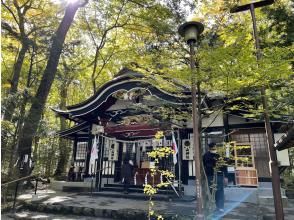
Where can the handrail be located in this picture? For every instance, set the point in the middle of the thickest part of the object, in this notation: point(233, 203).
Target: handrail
point(172, 186)
point(17, 180)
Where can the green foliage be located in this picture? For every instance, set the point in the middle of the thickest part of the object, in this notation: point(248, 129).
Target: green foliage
point(159, 154)
point(288, 174)
point(279, 30)
point(7, 129)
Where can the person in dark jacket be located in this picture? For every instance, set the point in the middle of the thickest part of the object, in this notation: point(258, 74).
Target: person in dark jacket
point(71, 174)
point(126, 174)
point(210, 160)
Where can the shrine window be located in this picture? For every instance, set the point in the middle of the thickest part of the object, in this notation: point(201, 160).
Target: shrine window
point(81, 150)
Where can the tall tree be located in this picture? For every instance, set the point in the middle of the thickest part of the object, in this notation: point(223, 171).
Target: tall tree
point(19, 22)
point(24, 26)
point(31, 122)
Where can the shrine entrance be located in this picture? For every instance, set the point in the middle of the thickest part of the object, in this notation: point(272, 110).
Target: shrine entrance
point(117, 151)
point(119, 122)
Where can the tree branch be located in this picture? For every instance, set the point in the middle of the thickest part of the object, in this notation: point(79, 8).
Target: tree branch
point(10, 30)
point(105, 62)
point(11, 12)
point(37, 28)
point(26, 6)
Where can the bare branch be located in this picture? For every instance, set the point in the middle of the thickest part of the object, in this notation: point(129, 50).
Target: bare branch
point(105, 62)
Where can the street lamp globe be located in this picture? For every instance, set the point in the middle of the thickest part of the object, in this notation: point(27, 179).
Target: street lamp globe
point(190, 31)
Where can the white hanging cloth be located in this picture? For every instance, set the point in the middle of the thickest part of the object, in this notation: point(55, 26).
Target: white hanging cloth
point(94, 156)
point(134, 148)
point(164, 141)
point(175, 148)
point(144, 146)
point(124, 147)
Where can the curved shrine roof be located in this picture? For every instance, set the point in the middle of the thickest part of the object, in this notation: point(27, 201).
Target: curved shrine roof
point(127, 80)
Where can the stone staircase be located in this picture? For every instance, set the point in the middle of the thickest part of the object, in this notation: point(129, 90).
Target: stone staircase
point(116, 190)
point(138, 189)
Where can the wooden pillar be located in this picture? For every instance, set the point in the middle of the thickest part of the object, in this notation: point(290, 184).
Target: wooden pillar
point(88, 153)
point(118, 163)
point(185, 163)
point(101, 159)
point(99, 169)
point(97, 175)
point(226, 126)
point(74, 152)
point(179, 164)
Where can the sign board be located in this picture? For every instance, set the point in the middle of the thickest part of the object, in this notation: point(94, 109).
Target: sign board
point(283, 155)
point(188, 150)
point(97, 129)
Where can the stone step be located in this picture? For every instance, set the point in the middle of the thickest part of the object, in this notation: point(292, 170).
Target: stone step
point(136, 190)
point(138, 186)
point(114, 188)
point(85, 212)
point(135, 196)
point(122, 185)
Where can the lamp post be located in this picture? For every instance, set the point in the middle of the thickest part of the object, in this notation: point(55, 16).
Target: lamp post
point(272, 152)
point(190, 31)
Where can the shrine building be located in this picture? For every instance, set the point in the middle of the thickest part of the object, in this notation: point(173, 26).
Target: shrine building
point(120, 121)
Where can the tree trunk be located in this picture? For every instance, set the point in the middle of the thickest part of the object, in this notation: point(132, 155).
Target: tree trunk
point(20, 121)
point(39, 101)
point(15, 79)
point(12, 154)
point(208, 203)
point(36, 150)
point(63, 148)
point(11, 103)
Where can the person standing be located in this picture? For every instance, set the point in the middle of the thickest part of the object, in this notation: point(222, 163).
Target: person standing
point(210, 160)
point(71, 174)
point(127, 173)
